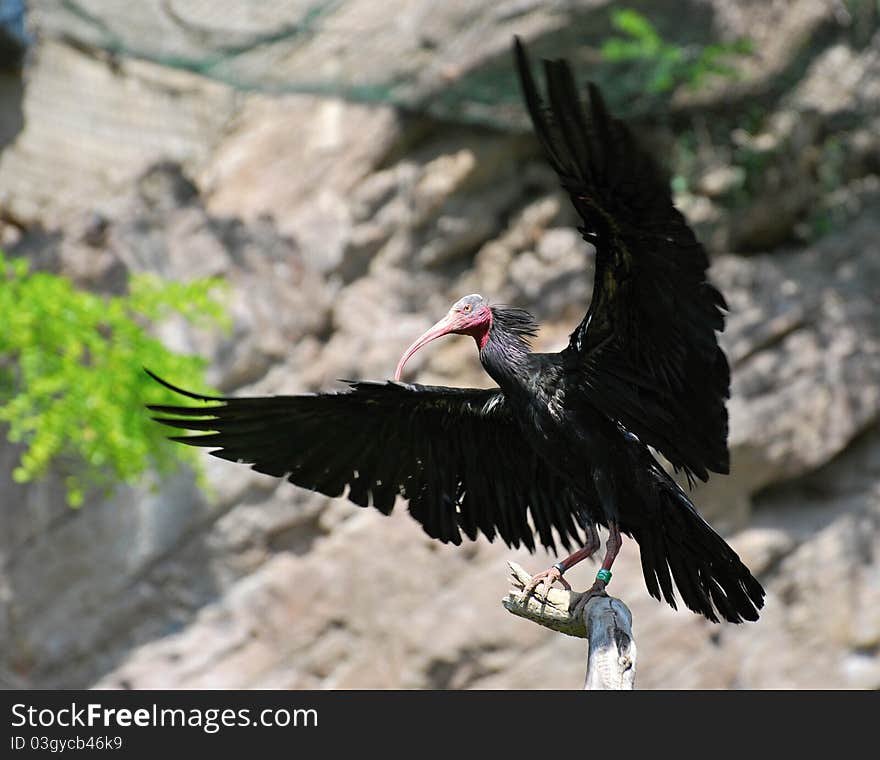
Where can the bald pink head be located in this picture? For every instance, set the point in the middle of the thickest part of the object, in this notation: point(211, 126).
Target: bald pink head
point(470, 315)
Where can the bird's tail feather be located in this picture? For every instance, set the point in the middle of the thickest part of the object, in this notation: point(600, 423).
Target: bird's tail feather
point(678, 546)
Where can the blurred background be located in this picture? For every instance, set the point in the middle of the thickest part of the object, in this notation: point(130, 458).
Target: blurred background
point(265, 197)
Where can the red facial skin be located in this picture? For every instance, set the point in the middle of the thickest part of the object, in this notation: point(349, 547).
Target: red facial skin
point(475, 323)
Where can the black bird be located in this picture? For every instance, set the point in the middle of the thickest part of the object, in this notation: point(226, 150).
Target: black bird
point(562, 444)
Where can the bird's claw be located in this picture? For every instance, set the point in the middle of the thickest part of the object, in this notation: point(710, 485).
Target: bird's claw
point(548, 578)
point(597, 589)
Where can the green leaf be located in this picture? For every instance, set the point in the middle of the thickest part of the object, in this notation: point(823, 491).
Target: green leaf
point(636, 25)
point(72, 387)
point(662, 66)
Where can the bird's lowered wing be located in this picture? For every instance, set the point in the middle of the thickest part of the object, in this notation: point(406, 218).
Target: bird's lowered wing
point(646, 352)
point(455, 454)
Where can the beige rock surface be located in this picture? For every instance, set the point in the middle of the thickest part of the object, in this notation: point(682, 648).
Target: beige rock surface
point(344, 230)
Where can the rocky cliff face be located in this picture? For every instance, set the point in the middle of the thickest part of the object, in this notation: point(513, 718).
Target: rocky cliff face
point(345, 229)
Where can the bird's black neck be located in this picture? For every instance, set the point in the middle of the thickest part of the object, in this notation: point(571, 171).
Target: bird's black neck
point(505, 354)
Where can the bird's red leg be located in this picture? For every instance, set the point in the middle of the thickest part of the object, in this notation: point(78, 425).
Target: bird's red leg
point(553, 574)
point(612, 547)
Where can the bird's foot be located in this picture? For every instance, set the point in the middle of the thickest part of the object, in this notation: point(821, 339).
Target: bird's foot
point(597, 589)
point(548, 578)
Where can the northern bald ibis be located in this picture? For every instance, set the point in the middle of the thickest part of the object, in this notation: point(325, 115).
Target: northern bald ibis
point(561, 445)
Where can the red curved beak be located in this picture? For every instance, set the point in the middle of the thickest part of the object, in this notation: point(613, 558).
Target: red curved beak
point(443, 327)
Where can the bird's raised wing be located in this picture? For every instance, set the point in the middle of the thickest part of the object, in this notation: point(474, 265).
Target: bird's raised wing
point(455, 454)
point(646, 351)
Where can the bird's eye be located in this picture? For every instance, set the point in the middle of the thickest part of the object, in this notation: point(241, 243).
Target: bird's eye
point(467, 308)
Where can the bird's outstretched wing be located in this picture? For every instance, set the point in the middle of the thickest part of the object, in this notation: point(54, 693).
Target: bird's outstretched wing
point(455, 454)
point(646, 352)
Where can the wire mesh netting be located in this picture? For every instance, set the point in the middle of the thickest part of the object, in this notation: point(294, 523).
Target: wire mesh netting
point(113, 87)
point(449, 60)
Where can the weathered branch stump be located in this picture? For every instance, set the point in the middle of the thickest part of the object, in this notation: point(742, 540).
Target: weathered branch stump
point(606, 623)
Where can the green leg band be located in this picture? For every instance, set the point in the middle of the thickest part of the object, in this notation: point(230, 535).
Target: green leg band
point(604, 575)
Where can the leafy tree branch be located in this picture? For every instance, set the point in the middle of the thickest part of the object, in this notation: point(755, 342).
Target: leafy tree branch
point(72, 388)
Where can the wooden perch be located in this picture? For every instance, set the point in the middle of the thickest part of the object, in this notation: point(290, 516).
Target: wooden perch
point(606, 622)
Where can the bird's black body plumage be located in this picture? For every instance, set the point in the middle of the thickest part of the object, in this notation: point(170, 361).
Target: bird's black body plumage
point(563, 441)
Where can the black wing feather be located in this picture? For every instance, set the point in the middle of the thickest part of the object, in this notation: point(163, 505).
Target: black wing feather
point(456, 454)
point(647, 351)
